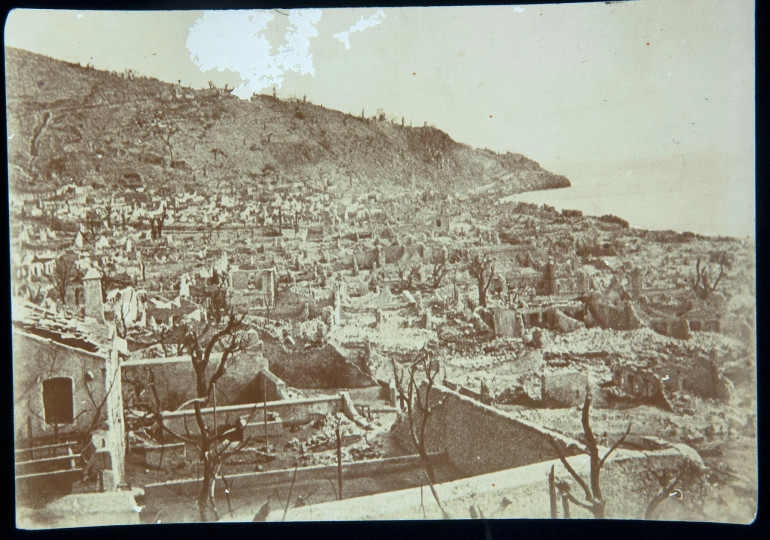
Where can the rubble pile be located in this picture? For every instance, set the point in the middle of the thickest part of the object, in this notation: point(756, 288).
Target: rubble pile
point(386, 338)
point(325, 438)
point(629, 343)
point(358, 444)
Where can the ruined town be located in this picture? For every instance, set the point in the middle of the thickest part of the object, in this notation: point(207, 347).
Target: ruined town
point(267, 310)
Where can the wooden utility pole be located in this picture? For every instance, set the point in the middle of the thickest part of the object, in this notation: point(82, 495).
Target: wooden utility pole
point(552, 492)
point(264, 407)
point(339, 462)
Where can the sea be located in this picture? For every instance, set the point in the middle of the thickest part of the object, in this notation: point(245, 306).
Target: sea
point(709, 195)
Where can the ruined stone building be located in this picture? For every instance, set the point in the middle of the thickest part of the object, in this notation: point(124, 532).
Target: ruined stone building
point(562, 279)
point(658, 380)
point(255, 284)
point(68, 411)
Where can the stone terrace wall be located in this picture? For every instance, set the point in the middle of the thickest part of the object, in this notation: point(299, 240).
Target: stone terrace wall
point(289, 411)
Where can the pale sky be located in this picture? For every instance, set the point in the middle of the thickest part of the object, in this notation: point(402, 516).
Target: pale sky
point(564, 84)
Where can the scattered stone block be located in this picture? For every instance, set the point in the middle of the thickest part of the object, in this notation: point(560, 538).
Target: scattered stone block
point(565, 323)
point(567, 389)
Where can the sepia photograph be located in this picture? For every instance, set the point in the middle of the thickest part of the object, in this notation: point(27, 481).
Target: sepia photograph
point(366, 264)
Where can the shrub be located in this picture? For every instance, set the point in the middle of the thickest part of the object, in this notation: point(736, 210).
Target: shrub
point(609, 218)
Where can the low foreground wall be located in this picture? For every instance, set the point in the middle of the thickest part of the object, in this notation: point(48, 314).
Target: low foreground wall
point(83, 510)
point(628, 484)
point(257, 482)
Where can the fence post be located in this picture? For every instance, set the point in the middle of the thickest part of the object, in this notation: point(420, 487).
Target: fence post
point(552, 492)
point(339, 462)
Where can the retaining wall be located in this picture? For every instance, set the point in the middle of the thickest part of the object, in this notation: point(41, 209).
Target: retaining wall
point(479, 439)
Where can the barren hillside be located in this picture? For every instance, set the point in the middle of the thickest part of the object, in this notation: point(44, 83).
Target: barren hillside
point(71, 123)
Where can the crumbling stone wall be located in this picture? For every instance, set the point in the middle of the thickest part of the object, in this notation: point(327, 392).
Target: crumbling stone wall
point(175, 380)
point(392, 254)
point(699, 375)
point(611, 316)
point(740, 327)
point(364, 259)
point(265, 387)
point(508, 323)
point(290, 305)
point(657, 383)
point(320, 367)
point(677, 328)
point(644, 385)
point(260, 283)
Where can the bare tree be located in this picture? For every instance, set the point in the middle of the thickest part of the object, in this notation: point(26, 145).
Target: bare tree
point(594, 502)
point(156, 225)
point(64, 274)
point(214, 443)
point(217, 296)
point(701, 284)
point(422, 372)
point(439, 270)
point(217, 152)
point(165, 135)
point(406, 279)
point(93, 223)
point(34, 295)
point(170, 339)
point(482, 269)
point(108, 213)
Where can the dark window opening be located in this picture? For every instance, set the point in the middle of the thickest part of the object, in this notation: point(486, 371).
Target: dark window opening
point(57, 400)
point(438, 223)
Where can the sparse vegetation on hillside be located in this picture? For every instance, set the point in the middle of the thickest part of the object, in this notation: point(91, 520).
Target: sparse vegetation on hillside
point(75, 124)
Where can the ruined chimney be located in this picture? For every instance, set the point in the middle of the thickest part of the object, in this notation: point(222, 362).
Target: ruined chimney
point(270, 287)
point(337, 308)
